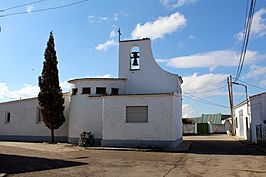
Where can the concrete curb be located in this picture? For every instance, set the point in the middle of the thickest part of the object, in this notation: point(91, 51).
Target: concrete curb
point(182, 148)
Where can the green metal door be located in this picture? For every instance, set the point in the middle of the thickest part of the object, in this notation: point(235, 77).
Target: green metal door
point(202, 128)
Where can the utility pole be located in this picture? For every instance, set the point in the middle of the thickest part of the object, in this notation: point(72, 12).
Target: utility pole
point(230, 91)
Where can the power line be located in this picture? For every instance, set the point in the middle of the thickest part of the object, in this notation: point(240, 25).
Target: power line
point(195, 98)
point(252, 85)
point(5, 96)
point(45, 9)
point(14, 7)
point(212, 90)
point(247, 29)
point(241, 97)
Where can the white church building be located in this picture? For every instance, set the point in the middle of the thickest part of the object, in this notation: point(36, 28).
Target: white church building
point(140, 108)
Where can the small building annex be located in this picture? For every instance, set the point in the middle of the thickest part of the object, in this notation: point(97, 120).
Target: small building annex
point(249, 116)
point(140, 108)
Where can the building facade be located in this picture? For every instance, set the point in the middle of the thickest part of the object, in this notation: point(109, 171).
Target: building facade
point(249, 115)
point(140, 108)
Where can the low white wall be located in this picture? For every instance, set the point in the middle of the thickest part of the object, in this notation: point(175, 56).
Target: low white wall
point(213, 128)
point(189, 129)
point(218, 128)
point(23, 123)
point(161, 124)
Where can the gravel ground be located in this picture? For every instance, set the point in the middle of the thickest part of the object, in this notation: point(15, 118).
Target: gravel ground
point(218, 155)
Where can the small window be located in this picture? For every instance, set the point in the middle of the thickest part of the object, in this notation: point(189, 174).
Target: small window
point(114, 91)
point(100, 90)
point(236, 123)
point(86, 90)
point(137, 114)
point(7, 117)
point(74, 91)
point(38, 115)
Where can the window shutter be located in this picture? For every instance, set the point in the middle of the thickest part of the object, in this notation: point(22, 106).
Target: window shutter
point(137, 114)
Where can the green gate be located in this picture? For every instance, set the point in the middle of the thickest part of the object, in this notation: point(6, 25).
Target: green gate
point(202, 128)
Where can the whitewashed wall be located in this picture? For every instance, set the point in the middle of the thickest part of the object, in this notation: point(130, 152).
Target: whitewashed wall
point(243, 121)
point(151, 78)
point(258, 112)
point(85, 115)
point(177, 115)
point(23, 124)
point(161, 125)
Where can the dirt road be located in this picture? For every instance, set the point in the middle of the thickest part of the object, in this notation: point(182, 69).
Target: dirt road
point(218, 155)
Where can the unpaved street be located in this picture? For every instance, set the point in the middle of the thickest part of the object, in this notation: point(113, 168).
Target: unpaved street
point(218, 155)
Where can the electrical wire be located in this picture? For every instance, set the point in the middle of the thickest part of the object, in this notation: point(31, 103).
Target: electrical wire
point(212, 90)
point(204, 102)
point(252, 85)
point(6, 96)
point(240, 98)
point(195, 98)
point(14, 7)
point(246, 35)
point(45, 9)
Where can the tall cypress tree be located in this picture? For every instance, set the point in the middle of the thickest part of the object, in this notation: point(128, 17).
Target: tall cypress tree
point(50, 97)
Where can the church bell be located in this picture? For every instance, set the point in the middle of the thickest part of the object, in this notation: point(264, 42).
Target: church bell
point(135, 56)
point(135, 62)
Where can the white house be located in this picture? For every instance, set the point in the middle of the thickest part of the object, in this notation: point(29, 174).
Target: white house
point(242, 120)
point(140, 108)
point(248, 115)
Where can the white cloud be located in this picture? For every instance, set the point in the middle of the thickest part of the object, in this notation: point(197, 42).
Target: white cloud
point(256, 71)
point(207, 84)
point(176, 3)
point(161, 61)
point(113, 33)
point(119, 14)
point(103, 18)
point(114, 17)
point(160, 27)
point(93, 19)
point(213, 59)
point(27, 91)
point(29, 8)
point(258, 27)
point(104, 46)
point(65, 86)
point(110, 42)
point(104, 76)
point(98, 76)
point(191, 37)
point(189, 111)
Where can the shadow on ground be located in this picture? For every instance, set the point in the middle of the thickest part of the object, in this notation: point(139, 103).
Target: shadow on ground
point(216, 147)
point(14, 164)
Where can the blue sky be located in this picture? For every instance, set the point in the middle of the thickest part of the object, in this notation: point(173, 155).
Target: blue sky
point(198, 39)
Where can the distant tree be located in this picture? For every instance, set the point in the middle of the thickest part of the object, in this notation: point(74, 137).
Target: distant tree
point(50, 97)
